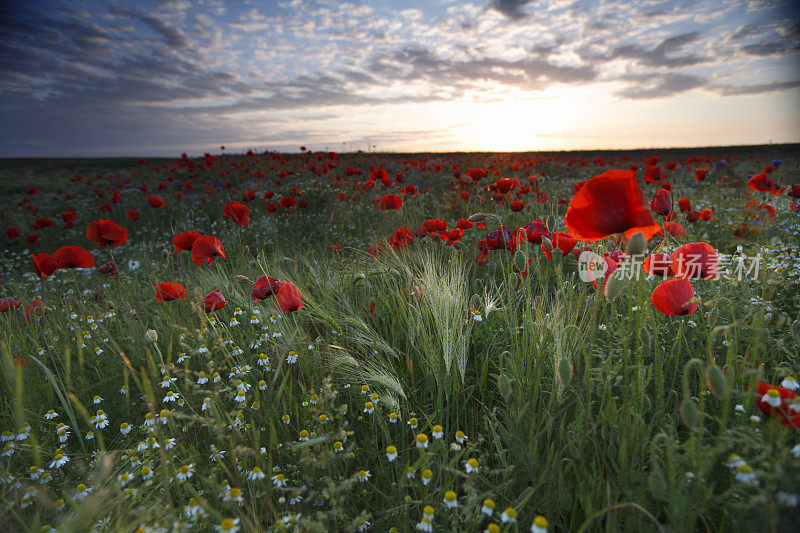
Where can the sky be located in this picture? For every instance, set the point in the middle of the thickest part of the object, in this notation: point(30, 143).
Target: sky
point(161, 77)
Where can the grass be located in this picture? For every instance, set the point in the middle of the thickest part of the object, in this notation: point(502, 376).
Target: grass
point(596, 415)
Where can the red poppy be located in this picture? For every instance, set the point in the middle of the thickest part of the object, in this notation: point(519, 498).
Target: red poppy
point(45, 264)
point(240, 213)
point(105, 232)
point(69, 217)
point(13, 233)
point(264, 288)
point(213, 301)
point(700, 174)
point(287, 297)
point(760, 182)
point(9, 303)
point(271, 208)
point(133, 215)
point(34, 309)
point(74, 257)
point(693, 216)
point(401, 238)
point(707, 214)
point(535, 230)
point(435, 224)
point(503, 185)
point(206, 248)
point(42, 223)
point(675, 229)
point(391, 202)
point(780, 403)
point(107, 268)
point(168, 291)
point(517, 205)
point(695, 260)
point(661, 204)
point(659, 265)
point(476, 174)
point(610, 203)
point(561, 241)
point(794, 192)
point(287, 202)
point(156, 201)
point(464, 224)
point(32, 239)
point(684, 205)
point(672, 297)
point(184, 241)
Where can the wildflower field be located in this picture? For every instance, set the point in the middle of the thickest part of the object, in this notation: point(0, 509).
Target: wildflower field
point(397, 342)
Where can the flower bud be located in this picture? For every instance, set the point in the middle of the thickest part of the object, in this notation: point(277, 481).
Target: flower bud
point(151, 335)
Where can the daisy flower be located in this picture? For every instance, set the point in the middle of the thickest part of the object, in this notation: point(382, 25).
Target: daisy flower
point(450, 499)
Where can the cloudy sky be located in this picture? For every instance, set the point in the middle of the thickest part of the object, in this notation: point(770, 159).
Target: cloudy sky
point(161, 77)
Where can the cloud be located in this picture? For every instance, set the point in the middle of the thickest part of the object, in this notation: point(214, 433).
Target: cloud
point(512, 9)
point(755, 89)
point(651, 86)
point(662, 55)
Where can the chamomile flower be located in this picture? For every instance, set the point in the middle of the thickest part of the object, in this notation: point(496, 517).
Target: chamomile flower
point(279, 480)
point(393, 418)
point(81, 492)
point(146, 472)
point(789, 382)
point(369, 407)
point(734, 461)
point(96, 399)
point(413, 423)
point(362, 524)
point(202, 349)
point(427, 476)
point(234, 495)
point(422, 441)
point(100, 420)
point(286, 419)
point(229, 525)
point(149, 420)
point(50, 415)
point(303, 436)
point(363, 476)
point(391, 453)
point(59, 459)
point(124, 478)
point(745, 474)
point(437, 432)
point(410, 473)
point(509, 516)
point(450, 499)
point(772, 397)
point(471, 465)
point(124, 428)
point(185, 472)
point(539, 525)
point(488, 507)
point(491, 527)
point(171, 396)
point(256, 474)
point(240, 396)
point(460, 437)
point(425, 525)
point(291, 358)
point(338, 446)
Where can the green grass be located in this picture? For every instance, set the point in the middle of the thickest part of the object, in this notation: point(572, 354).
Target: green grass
point(594, 414)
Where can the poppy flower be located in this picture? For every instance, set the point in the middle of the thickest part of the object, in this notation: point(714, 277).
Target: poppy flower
point(695, 260)
point(168, 291)
point(69, 217)
point(476, 174)
point(503, 185)
point(780, 403)
point(707, 214)
point(13, 233)
point(401, 238)
point(105, 232)
point(700, 174)
point(517, 205)
point(435, 224)
point(760, 182)
point(42, 223)
point(661, 204)
point(693, 216)
point(271, 208)
point(659, 265)
point(672, 297)
point(390, 202)
point(240, 213)
point(184, 241)
point(794, 192)
point(32, 239)
point(684, 205)
point(287, 202)
point(9, 303)
point(562, 241)
point(206, 248)
point(287, 298)
point(107, 268)
point(675, 229)
point(264, 288)
point(133, 215)
point(45, 264)
point(213, 301)
point(464, 224)
point(155, 201)
point(74, 257)
point(34, 309)
point(610, 203)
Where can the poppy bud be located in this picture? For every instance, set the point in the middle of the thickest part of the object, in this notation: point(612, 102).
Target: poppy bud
point(780, 321)
point(246, 249)
point(689, 413)
point(767, 319)
point(644, 337)
point(661, 204)
point(646, 405)
point(657, 485)
point(242, 279)
point(550, 223)
point(165, 254)
point(615, 284)
point(520, 261)
point(715, 380)
point(712, 317)
point(477, 217)
point(547, 244)
point(504, 386)
point(564, 371)
point(637, 244)
point(151, 335)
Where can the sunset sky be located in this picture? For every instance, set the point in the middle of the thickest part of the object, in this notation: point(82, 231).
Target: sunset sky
point(159, 78)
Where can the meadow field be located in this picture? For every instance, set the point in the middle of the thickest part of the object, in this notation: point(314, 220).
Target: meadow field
point(396, 342)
